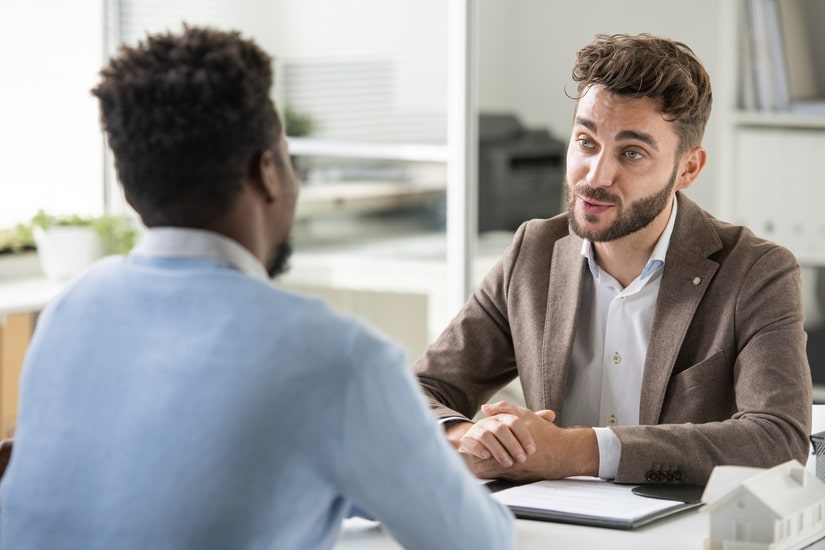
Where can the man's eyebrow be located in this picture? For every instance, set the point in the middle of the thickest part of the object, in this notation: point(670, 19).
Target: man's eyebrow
point(644, 137)
point(589, 124)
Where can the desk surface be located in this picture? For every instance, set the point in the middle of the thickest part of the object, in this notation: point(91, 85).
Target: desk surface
point(684, 531)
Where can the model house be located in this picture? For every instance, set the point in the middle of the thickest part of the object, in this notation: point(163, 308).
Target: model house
point(778, 508)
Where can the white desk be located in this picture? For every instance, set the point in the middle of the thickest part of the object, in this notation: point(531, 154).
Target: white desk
point(685, 531)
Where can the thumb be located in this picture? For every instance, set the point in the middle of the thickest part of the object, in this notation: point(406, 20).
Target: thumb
point(499, 407)
point(547, 414)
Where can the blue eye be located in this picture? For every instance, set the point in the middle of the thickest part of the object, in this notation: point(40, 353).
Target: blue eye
point(585, 143)
point(634, 155)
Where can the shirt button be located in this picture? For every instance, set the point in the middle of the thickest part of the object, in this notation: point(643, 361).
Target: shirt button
point(612, 421)
point(622, 298)
point(617, 358)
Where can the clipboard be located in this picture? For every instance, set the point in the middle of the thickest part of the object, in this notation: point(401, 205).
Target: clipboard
point(587, 501)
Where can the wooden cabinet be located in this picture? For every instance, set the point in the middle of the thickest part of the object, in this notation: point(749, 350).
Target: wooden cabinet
point(23, 294)
point(15, 333)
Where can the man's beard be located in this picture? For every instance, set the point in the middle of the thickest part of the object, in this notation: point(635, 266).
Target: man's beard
point(637, 216)
point(279, 264)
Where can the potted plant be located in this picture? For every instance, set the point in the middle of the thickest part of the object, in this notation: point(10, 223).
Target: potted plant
point(67, 245)
point(18, 257)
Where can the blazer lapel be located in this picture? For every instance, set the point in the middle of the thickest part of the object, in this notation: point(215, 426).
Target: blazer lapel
point(687, 274)
point(566, 276)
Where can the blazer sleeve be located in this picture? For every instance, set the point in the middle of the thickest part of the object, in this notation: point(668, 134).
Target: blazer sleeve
point(474, 356)
point(767, 369)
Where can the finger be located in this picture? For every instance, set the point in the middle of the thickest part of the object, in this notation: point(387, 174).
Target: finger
point(487, 469)
point(511, 416)
point(502, 436)
point(501, 407)
point(485, 446)
point(471, 445)
point(547, 414)
point(525, 442)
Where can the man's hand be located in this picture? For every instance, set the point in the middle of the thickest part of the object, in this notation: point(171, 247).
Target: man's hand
point(516, 443)
point(505, 435)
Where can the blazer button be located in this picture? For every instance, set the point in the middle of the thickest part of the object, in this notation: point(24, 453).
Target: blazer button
point(678, 477)
point(652, 476)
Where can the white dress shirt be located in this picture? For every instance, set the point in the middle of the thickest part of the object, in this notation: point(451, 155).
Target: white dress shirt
point(605, 381)
point(187, 242)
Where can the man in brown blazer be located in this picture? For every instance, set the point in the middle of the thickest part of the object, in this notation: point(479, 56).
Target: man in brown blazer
point(652, 341)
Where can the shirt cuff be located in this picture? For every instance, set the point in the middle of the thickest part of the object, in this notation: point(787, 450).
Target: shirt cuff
point(610, 450)
point(443, 421)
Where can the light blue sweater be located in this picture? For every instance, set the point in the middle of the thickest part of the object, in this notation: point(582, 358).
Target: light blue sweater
point(180, 402)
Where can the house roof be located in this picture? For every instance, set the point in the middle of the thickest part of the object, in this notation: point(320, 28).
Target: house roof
point(783, 489)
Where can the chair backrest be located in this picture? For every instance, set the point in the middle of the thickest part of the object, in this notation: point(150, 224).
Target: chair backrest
point(5, 454)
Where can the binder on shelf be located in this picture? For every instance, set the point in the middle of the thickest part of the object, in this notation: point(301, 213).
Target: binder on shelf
point(776, 54)
point(747, 85)
point(760, 50)
point(797, 46)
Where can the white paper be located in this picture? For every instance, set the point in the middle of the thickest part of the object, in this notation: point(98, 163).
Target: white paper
point(584, 496)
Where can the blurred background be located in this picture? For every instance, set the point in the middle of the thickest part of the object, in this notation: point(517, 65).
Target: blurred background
point(371, 91)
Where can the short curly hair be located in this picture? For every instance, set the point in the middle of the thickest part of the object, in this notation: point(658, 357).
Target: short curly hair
point(648, 66)
point(187, 117)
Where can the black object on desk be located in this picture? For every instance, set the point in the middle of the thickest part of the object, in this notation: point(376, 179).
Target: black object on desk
point(818, 441)
point(690, 494)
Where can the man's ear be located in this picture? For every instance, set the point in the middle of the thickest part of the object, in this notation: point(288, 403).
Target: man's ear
point(692, 164)
point(267, 176)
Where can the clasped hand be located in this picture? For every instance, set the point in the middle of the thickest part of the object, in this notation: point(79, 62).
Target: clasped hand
point(516, 443)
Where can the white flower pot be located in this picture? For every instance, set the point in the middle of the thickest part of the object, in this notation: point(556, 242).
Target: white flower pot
point(66, 250)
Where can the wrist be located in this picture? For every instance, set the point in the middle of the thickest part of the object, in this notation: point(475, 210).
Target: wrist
point(455, 430)
point(586, 450)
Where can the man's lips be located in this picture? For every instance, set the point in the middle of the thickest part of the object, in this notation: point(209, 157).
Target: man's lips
point(590, 206)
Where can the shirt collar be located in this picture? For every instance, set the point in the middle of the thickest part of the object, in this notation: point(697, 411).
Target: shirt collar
point(179, 242)
point(657, 257)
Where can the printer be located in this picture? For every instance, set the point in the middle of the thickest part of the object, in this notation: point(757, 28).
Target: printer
point(520, 173)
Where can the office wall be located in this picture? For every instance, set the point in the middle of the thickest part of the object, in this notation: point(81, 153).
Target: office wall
point(526, 50)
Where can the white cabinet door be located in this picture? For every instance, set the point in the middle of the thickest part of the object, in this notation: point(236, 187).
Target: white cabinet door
point(780, 187)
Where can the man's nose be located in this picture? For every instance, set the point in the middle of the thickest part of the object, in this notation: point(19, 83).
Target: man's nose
point(602, 171)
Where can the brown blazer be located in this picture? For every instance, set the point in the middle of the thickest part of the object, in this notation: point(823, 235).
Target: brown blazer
point(726, 378)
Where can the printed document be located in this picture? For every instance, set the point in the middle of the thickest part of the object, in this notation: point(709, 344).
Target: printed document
point(588, 501)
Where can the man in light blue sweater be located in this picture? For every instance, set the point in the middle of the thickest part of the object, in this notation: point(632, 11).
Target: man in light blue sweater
point(174, 398)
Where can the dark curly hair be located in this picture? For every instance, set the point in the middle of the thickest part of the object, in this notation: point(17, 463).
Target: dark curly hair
point(187, 116)
point(648, 66)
